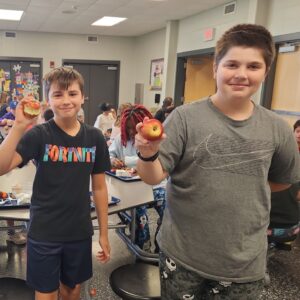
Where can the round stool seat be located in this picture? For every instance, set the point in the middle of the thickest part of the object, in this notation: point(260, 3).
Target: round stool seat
point(12, 288)
point(136, 281)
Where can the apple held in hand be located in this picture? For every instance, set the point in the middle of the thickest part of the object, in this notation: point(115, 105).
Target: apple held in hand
point(152, 130)
point(32, 109)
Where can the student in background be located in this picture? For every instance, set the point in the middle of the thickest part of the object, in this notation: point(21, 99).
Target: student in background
point(106, 119)
point(123, 154)
point(60, 231)
point(160, 114)
point(117, 124)
point(80, 115)
point(10, 143)
point(4, 100)
point(9, 117)
point(297, 133)
point(222, 156)
point(48, 115)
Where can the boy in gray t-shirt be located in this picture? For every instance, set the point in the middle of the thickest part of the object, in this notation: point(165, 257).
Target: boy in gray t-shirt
point(223, 156)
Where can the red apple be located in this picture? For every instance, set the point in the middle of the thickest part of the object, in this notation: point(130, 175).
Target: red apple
point(32, 109)
point(152, 130)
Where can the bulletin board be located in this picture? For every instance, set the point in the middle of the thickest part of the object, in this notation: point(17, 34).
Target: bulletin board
point(21, 78)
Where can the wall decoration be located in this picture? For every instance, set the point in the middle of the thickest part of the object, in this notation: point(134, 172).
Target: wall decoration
point(156, 73)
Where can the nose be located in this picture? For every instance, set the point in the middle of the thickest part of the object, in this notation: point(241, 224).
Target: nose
point(65, 99)
point(241, 72)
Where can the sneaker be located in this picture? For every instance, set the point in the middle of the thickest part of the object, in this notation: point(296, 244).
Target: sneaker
point(17, 239)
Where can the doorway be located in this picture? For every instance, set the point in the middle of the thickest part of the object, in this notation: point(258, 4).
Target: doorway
point(101, 80)
point(199, 79)
point(286, 92)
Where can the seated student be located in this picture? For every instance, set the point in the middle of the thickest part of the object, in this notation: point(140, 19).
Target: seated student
point(13, 236)
point(117, 124)
point(4, 107)
point(9, 116)
point(284, 215)
point(123, 154)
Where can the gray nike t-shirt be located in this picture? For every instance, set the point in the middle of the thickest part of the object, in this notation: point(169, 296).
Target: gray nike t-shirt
point(218, 197)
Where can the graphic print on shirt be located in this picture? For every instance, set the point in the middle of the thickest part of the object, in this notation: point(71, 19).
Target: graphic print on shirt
point(69, 154)
point(239, 155)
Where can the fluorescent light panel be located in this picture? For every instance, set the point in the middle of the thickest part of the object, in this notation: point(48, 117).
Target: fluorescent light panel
point(108, 21)
point(12, 15)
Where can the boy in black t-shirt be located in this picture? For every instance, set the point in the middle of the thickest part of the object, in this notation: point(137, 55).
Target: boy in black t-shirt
point(67, 153)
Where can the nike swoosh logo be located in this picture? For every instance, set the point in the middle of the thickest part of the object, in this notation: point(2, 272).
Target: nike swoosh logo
point(236, 153)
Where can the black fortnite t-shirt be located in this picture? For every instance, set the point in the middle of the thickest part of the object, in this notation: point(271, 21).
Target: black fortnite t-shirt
point(60, 203)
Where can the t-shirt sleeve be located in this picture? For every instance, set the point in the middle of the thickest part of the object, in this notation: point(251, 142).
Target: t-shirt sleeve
point(102, 161)
point(172, 148)
point(29, 145)
point(285, 165)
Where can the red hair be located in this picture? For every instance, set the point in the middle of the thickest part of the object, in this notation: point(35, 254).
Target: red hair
point(135, 115)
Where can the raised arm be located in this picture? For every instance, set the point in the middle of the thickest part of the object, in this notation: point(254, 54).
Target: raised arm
point(9, 158)
point(148, 166)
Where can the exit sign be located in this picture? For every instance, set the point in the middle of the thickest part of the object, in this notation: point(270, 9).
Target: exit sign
point(208, 34)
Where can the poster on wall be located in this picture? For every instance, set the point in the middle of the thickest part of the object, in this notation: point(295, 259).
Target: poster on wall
point(20, 78)
point(156, 73)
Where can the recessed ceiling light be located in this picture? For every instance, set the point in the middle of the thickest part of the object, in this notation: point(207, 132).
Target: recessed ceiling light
point(12, 15)
point(108, 21)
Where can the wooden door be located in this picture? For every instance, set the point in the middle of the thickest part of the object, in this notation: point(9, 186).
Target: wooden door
point(199, 81)
point(286, 91)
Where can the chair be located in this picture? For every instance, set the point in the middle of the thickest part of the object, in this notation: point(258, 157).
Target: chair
point(136, 281)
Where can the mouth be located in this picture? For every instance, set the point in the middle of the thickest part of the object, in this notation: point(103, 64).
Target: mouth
point(238, 85)
point(66, 108)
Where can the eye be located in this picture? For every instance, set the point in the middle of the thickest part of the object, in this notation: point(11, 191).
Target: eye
point(231, 65)
point(254, 67)
point(56, 95)
point(73, 94)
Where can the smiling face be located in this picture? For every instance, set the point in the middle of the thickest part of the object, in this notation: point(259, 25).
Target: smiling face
point(239, 73)
point(65, 103)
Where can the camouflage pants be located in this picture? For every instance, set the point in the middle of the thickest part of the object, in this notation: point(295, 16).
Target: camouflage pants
point(180, 283)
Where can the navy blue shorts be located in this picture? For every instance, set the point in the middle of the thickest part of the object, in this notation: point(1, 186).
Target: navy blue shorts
point(49, 263)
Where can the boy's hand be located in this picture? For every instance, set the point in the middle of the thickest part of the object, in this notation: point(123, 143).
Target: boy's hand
point(103, 255)
point(145, 147)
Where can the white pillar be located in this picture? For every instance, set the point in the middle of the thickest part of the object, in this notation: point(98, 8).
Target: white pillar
point(170, 59)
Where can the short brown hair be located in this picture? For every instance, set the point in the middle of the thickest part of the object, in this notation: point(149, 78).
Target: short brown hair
point(63, 77)
point(246, 35)
point(296, 125)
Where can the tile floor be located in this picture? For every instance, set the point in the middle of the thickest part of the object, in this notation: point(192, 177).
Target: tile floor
point(284, 269)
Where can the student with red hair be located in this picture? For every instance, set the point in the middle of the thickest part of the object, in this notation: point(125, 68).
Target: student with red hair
point(123, 154)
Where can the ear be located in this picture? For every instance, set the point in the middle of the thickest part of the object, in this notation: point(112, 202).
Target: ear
point(82, 100)
point(215, 68)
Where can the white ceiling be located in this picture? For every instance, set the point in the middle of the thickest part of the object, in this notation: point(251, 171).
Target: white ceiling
point(143, 15)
